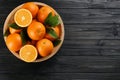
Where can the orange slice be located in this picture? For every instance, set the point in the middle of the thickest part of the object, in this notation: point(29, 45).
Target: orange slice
point(23, 17)
point(28, 53)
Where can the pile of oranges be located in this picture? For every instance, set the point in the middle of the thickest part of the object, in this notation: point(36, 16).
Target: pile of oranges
point(29, 36)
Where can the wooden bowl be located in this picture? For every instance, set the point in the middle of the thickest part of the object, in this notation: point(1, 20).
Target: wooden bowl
point(10, 19)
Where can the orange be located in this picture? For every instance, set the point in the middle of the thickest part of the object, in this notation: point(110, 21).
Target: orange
point(43, 13)
point(14, 42)
point(57, 31)
point(33, 8)
point(36, 30)
point(44, 47)
point(28, 53)
point(12, 30)
point(23, 17)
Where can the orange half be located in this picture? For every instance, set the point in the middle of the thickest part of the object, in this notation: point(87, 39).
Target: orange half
point(23, 17)
point(28, 53)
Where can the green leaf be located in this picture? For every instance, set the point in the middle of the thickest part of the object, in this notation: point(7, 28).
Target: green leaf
point(52, 33)
point(7, 32)
point(56, 42)
point(15, 26)
point(52, 20)
point(24, 36)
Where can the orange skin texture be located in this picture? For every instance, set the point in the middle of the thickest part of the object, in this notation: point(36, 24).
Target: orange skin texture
point(43, 13)
point(57, 30)
point(36, 30)
point(33, 8)
point(14, 42)
point(14, 30)
point(44, 47)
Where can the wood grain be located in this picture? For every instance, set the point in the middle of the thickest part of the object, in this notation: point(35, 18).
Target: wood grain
point(91, 49)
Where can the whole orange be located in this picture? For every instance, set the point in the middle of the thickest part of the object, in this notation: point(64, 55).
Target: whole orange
point(57, 31)
point(36, 30)
point(43, 13)
point(14, 42)
point(33, 8)
point(44, 47)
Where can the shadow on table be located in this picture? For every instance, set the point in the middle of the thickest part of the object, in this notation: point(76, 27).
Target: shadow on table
point(29, 71)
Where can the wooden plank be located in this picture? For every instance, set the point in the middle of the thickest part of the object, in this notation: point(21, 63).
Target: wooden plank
point(92, 31)
point(90, 13)
point(96, 44)
point(86, 4)
point(63, 64)
point(61, 76)
point(80, 16)
point(89, 52)
point(91, 27)
point(91, 35)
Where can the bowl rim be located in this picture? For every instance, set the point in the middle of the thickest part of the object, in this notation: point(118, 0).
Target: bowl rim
point(56, 49)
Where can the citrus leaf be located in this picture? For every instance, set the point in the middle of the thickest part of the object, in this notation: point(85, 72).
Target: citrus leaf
point(52, 20)
point(7, 32)
point(15, 26)
point(52, 33)
point(24, 41)
point(56, 42)
point(24, 36)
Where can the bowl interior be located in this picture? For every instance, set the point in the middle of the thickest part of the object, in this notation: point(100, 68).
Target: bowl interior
point(10, 19)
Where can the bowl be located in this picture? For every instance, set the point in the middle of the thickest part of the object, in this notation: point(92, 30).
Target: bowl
point(10, 19)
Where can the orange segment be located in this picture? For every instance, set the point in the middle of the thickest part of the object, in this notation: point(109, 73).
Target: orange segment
point(23, 17)
point(44, 47)
point(28, 53)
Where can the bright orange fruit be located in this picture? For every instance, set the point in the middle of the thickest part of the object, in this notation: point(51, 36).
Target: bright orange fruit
point(57, 31)
point(14, 42)
point(28, 53)
point(23, 17)
point(36, 30)
point(33, 8)
point(12, 30)
point(43, 13)
point(44, 47)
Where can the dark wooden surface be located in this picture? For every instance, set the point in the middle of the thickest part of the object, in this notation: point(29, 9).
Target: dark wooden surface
point(91, 49)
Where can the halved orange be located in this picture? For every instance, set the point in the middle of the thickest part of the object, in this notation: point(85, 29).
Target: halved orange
point(23, 17)
point(28, 53)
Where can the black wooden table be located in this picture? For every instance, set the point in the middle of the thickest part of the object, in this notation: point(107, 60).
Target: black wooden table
point(91, 49)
